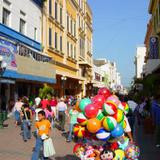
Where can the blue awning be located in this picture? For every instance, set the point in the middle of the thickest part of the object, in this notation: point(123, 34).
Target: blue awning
point(16, 75)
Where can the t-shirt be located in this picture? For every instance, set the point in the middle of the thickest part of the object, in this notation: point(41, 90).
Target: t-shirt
point(73, 116)
point(43, 127)
point(48, 113)
point(61, 106)
point(53, 102)
point(44, 103)
point(18, 106)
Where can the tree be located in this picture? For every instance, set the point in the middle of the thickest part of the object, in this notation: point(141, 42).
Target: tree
point(46, 92)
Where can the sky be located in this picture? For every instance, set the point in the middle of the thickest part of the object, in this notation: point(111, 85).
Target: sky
point(119, 26)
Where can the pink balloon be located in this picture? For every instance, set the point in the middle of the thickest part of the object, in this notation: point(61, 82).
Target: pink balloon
point(104, 91)
point(114, 99)
point(99, 101)
point(91, 110)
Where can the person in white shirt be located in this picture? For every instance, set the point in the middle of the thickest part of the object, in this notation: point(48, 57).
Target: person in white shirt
point(62, 111)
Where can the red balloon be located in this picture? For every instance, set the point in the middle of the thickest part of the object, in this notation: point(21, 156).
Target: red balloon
point(91, 110)
point(105, 92)
point(99, 101)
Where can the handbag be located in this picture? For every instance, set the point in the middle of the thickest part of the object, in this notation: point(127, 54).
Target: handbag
point(48, 148)
point(28, 121)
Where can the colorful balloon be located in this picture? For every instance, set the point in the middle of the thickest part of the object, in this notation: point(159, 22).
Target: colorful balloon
point(79, 131)
point(100, 115)
point(93, 125)
point(105, 92)
point(119, 116)
point(81, 119)
point(91, 110)
point(109, 123)
point(83, 103)
point(99, 100)
point(132, 152)
point(103, 135)
point(117, 132)
point(126, 107)
point(120, 155)
point(123, 124)
point(109, 108)
point(114, 99)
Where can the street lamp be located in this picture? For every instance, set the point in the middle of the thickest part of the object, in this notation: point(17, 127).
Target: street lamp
point(3, 66)
point(63, 79)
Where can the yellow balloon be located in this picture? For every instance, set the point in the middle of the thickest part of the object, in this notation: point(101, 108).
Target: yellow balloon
point(119, 154)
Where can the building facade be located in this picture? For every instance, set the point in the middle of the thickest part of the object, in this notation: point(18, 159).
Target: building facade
point(140, 61)
point(67, 38)
point(110, 76)
point(26, 66)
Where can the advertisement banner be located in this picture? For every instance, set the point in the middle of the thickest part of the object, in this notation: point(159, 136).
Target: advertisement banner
point(8, 51)
point(154, 50)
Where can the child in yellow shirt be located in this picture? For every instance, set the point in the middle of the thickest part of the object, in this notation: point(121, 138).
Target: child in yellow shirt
point(43, 127)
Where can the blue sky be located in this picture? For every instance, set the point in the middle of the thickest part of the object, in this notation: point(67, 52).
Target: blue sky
point(119, 27)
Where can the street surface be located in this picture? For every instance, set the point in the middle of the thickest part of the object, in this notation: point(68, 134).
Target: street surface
point(12, 146)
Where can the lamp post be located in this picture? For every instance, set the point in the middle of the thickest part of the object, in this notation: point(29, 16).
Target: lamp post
point(63, 79)
point(3, 66)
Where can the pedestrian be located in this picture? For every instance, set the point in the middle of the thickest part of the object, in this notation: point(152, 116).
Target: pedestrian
point(44, 103)
point(53, 104)
point(73, 114)
point(62, 111)
point(49, 114)
point(17, 110)
point(43, 127)
point(26, 117)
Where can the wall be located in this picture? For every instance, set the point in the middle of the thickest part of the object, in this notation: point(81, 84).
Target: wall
point(32, 17)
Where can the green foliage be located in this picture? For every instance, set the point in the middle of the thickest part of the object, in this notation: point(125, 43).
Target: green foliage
point(46, 92)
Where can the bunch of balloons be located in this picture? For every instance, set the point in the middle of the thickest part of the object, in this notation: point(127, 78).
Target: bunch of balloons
point(102, 118)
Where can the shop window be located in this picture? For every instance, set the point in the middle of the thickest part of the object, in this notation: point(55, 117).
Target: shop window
point(6, 17)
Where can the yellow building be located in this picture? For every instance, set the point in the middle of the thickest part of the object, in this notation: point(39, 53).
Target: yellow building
point(67, 38)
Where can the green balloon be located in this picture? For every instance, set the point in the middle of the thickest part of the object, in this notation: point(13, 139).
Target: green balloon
point(83, 103)
point(100, 115)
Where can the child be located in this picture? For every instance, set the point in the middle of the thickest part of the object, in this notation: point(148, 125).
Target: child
point(43, 127)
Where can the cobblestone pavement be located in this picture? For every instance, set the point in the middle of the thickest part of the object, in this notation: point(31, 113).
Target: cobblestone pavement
point(12, 146)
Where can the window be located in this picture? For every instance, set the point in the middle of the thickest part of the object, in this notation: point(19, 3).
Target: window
point(35, 33)
point(56, 40)
point(71, 27)
point(68, 49)
point(50, 37)
point(56, 10)
point(50, 7)
point(61, 14)
point(61, 43)
point(67, 23)
point(5, 19)
point(71, 50)
point(74, 52)
point(74, 28)
point(22, 26)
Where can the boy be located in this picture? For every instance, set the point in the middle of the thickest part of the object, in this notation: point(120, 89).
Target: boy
point(43, 127)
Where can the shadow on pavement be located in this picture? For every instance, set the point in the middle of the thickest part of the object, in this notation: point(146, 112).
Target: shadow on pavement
point(67, 157)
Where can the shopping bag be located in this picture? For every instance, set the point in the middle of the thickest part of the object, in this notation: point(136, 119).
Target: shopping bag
point(48, 148)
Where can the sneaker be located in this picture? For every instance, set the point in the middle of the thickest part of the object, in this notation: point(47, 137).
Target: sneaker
point(68, 141)
point(158, 145)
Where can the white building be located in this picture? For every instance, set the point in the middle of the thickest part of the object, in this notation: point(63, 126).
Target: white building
point(23, 16)
point(139, 61)
point(109, 72)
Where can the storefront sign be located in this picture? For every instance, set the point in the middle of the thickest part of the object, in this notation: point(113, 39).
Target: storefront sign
point(27, 52)
point(8, 51)
point(154, 52)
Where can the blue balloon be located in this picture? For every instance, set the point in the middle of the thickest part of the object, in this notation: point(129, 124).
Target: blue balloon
point(117, 132)
point(103, 135)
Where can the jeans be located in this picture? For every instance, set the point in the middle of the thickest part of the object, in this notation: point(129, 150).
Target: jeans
point(61, 118)
point(37, 150)
point(26, 130)
point(70, 132)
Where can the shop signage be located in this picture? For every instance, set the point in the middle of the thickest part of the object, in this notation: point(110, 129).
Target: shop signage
point(8, 51)
point(153, 52)
point(27, 52)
